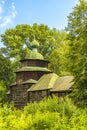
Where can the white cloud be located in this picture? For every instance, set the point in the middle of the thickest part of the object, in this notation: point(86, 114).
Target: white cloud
point(13, 6)
point(8, 19)
point(2, 1)
point(13, 11)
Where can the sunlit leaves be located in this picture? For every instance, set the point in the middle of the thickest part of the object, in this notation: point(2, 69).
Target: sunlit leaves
point(77, 28)
point(50, 114)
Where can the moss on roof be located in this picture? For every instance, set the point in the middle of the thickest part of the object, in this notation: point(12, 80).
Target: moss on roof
point(8, 92)
point(63, 83)
point(33, 69)
point(34, 44)
point(13, 84)
point(29, 81)
point(45, 82)
point(53, 82)
point(35, 55)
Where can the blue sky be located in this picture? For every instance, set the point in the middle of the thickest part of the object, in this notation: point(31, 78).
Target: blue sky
point(49, 12)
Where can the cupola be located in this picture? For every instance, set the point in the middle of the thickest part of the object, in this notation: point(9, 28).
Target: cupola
point(34, 54)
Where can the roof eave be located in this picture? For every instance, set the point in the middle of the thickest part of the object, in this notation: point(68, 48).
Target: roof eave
point(38, 90)
point(67, 90)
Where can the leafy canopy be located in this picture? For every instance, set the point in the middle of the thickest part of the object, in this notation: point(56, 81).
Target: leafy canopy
point(77, 56)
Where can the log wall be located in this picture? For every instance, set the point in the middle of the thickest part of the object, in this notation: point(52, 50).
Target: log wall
point(37, 95)
point(39, 63)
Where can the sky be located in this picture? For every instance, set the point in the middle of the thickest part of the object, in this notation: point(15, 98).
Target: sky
point(49, 12)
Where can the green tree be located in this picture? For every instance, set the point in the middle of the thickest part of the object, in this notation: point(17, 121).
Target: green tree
point(77, 55)
point(6, 71)
point(57, 57)
point(16, 42)
point(15, 45)
point(3, 91)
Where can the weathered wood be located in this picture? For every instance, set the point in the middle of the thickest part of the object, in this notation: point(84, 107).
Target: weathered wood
point(18, 92)
point(37, 95)
point(34, 62)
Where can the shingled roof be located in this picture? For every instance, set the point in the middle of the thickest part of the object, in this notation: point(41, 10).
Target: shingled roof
point(63, 83)
point(45, 82)
point(33, 69)
point(53, 82)
point(29, 81)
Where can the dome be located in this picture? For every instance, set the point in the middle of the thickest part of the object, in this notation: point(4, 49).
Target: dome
point(35, 55)
point(34, 44)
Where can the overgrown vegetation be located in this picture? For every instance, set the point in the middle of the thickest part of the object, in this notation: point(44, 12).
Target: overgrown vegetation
point(3, 95)
point(50, 114)
point(67, 52)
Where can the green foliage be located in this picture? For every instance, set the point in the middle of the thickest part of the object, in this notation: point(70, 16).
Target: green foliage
point(58, 58)
point(16, 42)
point(6, 70)
point(2, 92)
point(67, 52)
point(77, 54)
point(50, 114)
point(52, 105)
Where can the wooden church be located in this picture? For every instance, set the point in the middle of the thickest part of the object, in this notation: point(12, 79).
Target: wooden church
point(34, 80)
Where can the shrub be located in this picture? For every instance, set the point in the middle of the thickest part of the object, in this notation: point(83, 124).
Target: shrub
point(50, 114)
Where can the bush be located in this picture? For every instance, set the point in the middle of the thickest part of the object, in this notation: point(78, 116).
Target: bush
point(3, 91)
point(50, 114)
